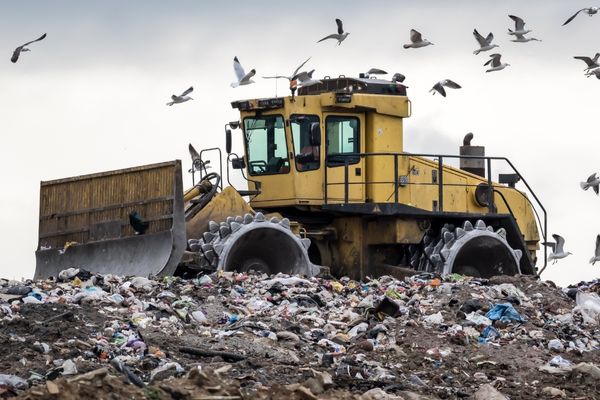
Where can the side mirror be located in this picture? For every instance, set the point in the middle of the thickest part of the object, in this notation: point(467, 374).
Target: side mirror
point(315, 134)
point(228, 140)
point(238, 163)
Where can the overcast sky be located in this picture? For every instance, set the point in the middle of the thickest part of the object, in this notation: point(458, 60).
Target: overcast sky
point(91, 96)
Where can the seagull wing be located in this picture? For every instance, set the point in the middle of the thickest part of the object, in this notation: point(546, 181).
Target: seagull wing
point(376, 71)
point(340, 26)
point(332, 36)
point(239, 70)
point(277, 77)
point(249, 75)
point(188, 91)
point(302, 76)
point(519, 23)
point(586, 60)
point(438, 87)
point(300, 66)
point(489, 38)
point(495, 60)
point(36, 40)
point(597, 252)
point(451, 84)
point(16, 54)
point(193, 153)
point(174, 97)
point(573, 17)
point(552, 245)
point(480, 39)
point(591, 178)
point(560, 243)
point(520, 36)
point(415, 36)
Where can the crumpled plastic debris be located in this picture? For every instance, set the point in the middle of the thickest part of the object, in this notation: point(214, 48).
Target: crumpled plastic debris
point(504, 312)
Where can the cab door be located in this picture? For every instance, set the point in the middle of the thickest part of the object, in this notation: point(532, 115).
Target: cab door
point(345, 172)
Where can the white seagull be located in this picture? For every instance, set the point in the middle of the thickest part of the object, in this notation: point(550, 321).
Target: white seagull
point(22, 48)
point(522, 39)
point(495, 64)
point(243, 78)
point(305, 79)
point(557, 247)
point(485, 43)
point(519, 26)
point(596, 252)
point(439, 87)
point(290, 77)
point(182, 98)
point(590, 62)
point(589, 11)
point(592, 182)
point(340, 36)
point(416, 40)
point(375, 71)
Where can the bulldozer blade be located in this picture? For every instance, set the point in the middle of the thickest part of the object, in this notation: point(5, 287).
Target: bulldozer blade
point(84, 222)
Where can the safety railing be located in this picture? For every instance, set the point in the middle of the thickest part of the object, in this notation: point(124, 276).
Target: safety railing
point(345, 160)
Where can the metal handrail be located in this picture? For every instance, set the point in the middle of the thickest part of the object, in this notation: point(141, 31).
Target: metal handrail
point(440, 183)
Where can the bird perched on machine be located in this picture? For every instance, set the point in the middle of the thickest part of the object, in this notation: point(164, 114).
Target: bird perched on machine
point(137, 223)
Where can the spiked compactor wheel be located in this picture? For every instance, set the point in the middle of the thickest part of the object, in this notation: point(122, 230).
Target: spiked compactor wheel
point(471, 250)
point(253, 243)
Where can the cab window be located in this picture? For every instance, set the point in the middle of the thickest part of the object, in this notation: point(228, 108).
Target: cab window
point(306, 136)
point(266, 145)
point(343, 135)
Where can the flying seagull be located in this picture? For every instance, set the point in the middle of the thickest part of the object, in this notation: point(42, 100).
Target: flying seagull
point(557, 247)
point(589, 11)
point(439, 87)
point(22, 48)
point(519, 26)
point(305, 79)
point(375, 71)
point(340, 36)
point(182, 98)
point(243, 78)
point(590, 62)
point(495, 64)
point(137, 223)
point(596, 252)
point(416, 40)
point(290, 77)
point(485, 43)
point(592, 182)
point(522, 39)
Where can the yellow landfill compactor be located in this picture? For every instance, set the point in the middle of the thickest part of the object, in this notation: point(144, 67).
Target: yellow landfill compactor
point(329, 184)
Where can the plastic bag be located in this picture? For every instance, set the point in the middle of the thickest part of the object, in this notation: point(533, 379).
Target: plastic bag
point(588, 305)
point(504, 312)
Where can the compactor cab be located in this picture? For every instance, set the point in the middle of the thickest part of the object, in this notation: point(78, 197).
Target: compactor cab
point(329, 184)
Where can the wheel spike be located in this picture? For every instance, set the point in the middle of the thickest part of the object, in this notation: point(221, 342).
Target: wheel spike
point(460, 232)
point(235, 226)
point(502, 233)
point(448, 237)
point(480, 225)
point(274, 220)
point(230, 220)
point(489, 228)
point(518, 254)
point(213, 227)
point(305, 243)
point(208, 237)
point(239, 219)
point(285, 223)
point(247, 219)
point(259, 217)
point(467, 226)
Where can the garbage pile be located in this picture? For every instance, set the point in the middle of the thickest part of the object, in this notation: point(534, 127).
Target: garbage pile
point(253, 336)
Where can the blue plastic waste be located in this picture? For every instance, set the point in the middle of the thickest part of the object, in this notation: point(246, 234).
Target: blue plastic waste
point(504, 312)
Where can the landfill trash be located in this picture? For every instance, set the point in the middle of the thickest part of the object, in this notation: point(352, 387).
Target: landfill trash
point(13, 381)
point(67, 274)
point(488, 392)
point(411, 338)
point(556, 345)
point(588, 305)
point(553, 392)
point(504, 312)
